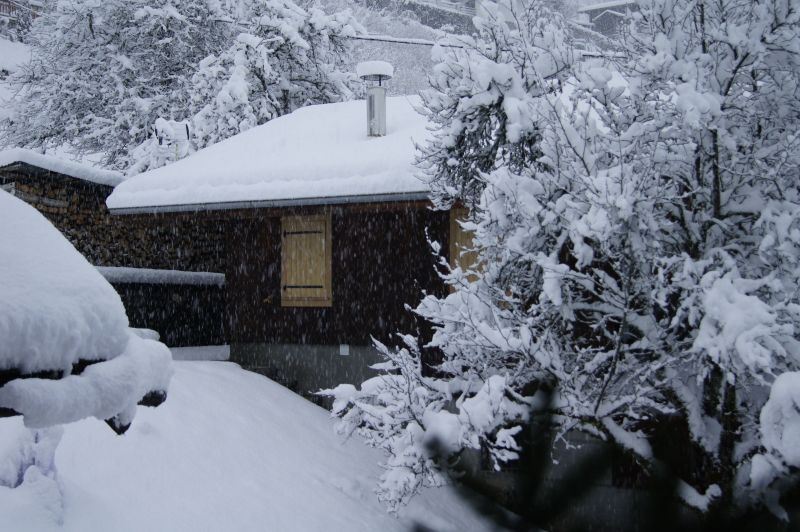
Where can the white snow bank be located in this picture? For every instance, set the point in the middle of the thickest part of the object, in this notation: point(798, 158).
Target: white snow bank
point(61, 166)
point(13, 54)
point(104, 390)
point(228, 450)
point(120, 274)
point(55, 308)
point(319, 151)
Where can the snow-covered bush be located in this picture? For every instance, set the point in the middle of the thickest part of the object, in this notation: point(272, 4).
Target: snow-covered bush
point(59, 318)
point(169, 141)
point(288, 57)
point(103, 71)
point(637, 224)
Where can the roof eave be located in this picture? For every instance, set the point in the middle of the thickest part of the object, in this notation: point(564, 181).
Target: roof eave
point(276, 203)
point(41, 170)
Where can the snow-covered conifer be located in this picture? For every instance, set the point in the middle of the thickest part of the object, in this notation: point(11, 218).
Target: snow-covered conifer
point(481, 93)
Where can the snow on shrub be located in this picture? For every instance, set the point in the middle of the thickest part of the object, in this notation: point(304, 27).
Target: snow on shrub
point(57, 310)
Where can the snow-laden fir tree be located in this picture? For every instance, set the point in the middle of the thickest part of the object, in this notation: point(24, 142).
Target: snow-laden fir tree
point(103, 71)
point(638, 227)
point(288, 57)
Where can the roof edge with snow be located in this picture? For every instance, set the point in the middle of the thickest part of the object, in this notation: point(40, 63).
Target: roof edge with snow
point(65, 167)
point(276, 203)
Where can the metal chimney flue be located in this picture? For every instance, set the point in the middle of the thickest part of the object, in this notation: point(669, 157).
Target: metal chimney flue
point(375, 73)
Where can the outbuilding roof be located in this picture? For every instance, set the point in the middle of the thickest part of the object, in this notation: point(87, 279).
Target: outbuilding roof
point(60, 166)
point(319, 154)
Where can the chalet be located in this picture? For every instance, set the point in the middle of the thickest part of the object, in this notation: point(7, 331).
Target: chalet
point(326, 234)
point(164, 273)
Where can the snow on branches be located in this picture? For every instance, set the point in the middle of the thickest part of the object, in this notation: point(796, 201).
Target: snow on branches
point(636, 222)
point(481, 93)
point(102, 72)
point(110, 77)
point(288, 57)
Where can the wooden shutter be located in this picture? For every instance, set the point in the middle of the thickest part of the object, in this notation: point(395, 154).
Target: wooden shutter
point(461, 240)
point(306, 261)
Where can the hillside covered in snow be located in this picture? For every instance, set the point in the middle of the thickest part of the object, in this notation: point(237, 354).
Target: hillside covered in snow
point(229, 450)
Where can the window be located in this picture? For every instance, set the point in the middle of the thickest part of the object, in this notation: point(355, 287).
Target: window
point(461, 240)
point(306, 261)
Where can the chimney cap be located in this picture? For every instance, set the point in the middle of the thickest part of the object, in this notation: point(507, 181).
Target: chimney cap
point(374, 71)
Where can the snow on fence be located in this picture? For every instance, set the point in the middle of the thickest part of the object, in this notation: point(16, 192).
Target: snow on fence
point(119, 274)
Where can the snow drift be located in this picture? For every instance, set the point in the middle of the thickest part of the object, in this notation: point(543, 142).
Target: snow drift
point(57, 310)
point(229, 450)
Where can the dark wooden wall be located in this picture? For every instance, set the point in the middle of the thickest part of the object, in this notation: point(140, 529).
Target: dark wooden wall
point(381, 262)
point(183, 315)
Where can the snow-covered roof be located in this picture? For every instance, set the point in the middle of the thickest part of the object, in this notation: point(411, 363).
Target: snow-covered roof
point(55, 307)
point(318, 154)
point(61, 166)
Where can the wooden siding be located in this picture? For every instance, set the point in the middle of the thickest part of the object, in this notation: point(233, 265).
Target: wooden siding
point(381, 261)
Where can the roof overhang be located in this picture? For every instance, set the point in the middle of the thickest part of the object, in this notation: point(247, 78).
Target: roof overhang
point(276, 203)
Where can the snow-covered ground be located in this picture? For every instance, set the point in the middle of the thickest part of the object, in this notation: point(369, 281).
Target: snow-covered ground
point(229, 450)
point(12, 55)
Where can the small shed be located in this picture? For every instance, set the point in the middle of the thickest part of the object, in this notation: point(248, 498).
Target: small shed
point(326, 235)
